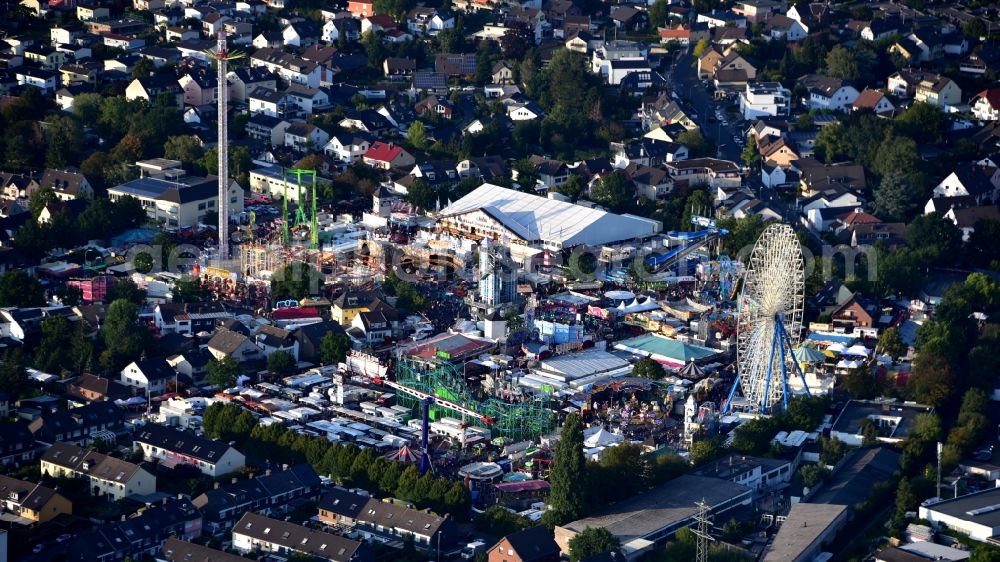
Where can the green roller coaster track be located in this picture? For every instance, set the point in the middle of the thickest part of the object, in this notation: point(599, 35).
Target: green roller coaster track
point(514, 421)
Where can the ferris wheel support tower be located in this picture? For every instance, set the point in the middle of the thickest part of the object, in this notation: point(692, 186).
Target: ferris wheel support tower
point(769, 322)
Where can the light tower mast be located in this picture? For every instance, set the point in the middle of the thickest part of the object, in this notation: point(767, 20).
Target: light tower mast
point(222, 56)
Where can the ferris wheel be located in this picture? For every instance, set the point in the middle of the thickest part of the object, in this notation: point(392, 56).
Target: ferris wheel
point(769, 322)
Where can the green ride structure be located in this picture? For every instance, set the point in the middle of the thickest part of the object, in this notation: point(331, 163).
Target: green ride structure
point(513, 421)
point(300, 213)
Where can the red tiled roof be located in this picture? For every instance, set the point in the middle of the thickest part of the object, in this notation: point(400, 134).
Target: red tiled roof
point(992, 96)
point(868, 99)
point(675, 33)
point(383, 152)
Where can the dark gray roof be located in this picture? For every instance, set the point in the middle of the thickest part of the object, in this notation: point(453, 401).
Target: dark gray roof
point(183, 442)
point(297, 538)
point(176, 550)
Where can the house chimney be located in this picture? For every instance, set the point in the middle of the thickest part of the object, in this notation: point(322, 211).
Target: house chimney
point(165, 500)
point(235, 479)
point(284, 466)
point(215, 486)
point(267, 472)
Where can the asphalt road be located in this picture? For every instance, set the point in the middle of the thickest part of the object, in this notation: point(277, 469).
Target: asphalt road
point(688, 87)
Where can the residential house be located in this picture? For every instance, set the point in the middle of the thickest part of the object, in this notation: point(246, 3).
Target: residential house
point(971, 180)
point(106, 476)
point(172, 447)
point(176, 550)
point(268, 102)
point(290, 67)
point(903, 84)
point(434, 105)
point(501, 73)
point(299, 34)
point(705, 171)
point(857, 312)
point(150, 88)
point(305, 100)
point(138, 537)
point(652, 183)
point(368, 121)
point(387, 156)
point(880, 28)
point(373, 327)
point(17, 443)
point(428, 21)
point(271, 339)
point(784, 28)
point(349, 304)
point(828, 93)
point(396, 68)
point(872, 100)
point(31, 501)
point(535, 544)
point(255, 533)
point(80, 425)
point(267, 129)
point(228, 343)
point(302, 136)
point(244, 80)
point(965, 218)
point(629, 18)
point(865, 235)
point(189, 318)
point(721, 18)
point(680, 35)
point(778, 152)
point(200, 88)
point(148, 376)
point(348, 147)
point(454, 65)
point(765, 99)
point(940, 92)
point(269, 493)
point(986, 105)
point(371, 519)
point(817, 177)
point(757, 11)
point(310, 338)
point(523, 110)
point(93, 388)
point(45, 80)
point(361, 8)
point(67, 185)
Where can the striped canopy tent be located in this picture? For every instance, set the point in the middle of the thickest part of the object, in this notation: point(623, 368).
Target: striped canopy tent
point(692, 371)
point(807, 354)
point(404, 454)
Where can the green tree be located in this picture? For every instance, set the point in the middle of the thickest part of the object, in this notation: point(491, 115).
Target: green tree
point(698, 146)
point(700, 47)
point(659, 14)
point(39, 199)
point(52, 355)
point(935, 240)
point(81, 351)
point(123, 337)
point(591, 541)
point(334, 348)
point(751, 155)
point(568, 479)
point(13, 376)
point(20, 290)
point(896, 154)
point(281, 363)
point(648, 369)
point(421, 195)
point(527, 174)
point(705, 450)
point(982, 246)
point(572, 187)
point(184, 148)
point(222, 374)
point(417, 135)
point(891, 343)
point(895, 198)
point(65, 141)
point(842, 62)
point(613, 191)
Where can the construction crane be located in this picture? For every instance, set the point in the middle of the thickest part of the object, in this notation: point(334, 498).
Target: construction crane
point(222, 56)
